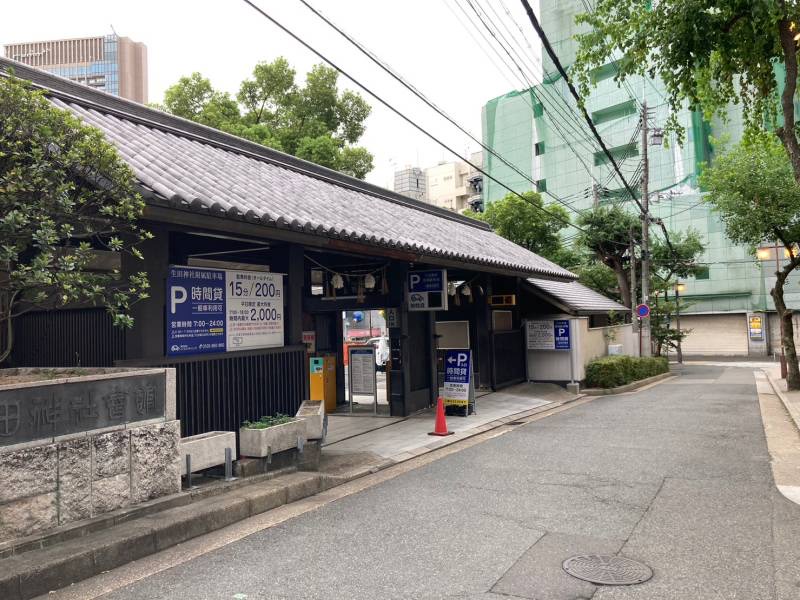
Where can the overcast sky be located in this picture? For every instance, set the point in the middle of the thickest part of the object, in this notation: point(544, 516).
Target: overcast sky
point(421, 39)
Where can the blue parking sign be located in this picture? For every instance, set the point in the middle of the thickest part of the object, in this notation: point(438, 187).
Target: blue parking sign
point(561, 333)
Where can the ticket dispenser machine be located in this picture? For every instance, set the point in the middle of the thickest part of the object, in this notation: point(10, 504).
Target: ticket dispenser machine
point(322, 376)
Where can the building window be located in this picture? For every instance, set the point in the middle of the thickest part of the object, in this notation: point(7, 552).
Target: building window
point(539, 148)
point(618, 152)
point(541, 185)
point(616, 111)
point(702, 273)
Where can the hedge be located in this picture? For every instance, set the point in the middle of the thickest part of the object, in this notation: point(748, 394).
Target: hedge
point(613, 371)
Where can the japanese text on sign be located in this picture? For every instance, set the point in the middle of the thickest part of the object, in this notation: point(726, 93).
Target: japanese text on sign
point(214, 310)
point(457, 365)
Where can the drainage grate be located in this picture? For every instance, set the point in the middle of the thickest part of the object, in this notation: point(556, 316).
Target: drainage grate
point(607, 570)
point(516, 423)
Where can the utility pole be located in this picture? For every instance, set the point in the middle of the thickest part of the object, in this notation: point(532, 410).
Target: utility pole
point(634, 315)
point(595, 195)
point(645, 322)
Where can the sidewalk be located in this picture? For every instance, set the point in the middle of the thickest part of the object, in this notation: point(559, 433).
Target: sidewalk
point(400, 439)
point(780, 412)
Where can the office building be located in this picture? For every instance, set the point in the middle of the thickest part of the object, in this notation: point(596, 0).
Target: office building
point(541, 132)
point(410, 182)
point(111, 63)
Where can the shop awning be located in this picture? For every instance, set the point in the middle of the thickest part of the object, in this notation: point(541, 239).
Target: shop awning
point(183, 165)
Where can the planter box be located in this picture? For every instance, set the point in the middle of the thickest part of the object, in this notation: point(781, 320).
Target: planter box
point(258, 442)
point(207, 449)
point(313, 413)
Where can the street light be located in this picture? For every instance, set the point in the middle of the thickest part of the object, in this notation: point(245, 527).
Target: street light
point(765, 253)
point(679, 287)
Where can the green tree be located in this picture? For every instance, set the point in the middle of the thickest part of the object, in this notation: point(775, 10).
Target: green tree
point(64, 194)
point(709, 56)
point(752, 187)
point(672, 261)
point(526, 224)
point(314, 121)
point(607, 233)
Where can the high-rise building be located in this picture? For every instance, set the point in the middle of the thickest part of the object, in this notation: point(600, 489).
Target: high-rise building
point(111, 63)
point(541, 132)
point(411, 182)
point(453, 185)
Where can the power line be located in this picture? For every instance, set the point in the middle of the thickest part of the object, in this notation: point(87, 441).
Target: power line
point(414, 90)
point(549, 48)
point(397, 112)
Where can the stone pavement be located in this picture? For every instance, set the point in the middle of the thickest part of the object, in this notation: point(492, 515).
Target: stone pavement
point(400, 439)
point(677, 476)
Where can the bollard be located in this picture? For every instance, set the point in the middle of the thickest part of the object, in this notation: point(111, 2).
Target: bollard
point(229, 465)
point(188, 471)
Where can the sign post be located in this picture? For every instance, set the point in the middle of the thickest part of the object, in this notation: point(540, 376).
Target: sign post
point(361, 374)
point(458, 389)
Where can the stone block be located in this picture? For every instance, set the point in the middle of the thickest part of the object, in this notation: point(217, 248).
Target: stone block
point(177, 525)
point(256, 442)
point(265, 497)
point(55, 568)
point(313, 413)
point(155, 461)
point(111, 453)
point(74, 480)
point(28, 472)
point(302, 485)
point(122, 544)
point(28, 515)
point(111, 493)
point(207, 449)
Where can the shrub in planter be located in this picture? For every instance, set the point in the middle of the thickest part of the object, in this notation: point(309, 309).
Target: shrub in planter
point(270, 434)
point(613, 371)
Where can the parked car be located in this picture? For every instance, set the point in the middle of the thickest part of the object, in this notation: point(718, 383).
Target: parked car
point(381, 351)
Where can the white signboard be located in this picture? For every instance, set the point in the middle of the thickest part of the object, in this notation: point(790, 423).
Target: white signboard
point(540, 335)
point(254, 303)
point(362, 370)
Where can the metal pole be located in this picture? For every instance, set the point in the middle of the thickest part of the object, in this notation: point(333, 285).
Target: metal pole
point(784, 369)
point(678, 322)
point(645, 323)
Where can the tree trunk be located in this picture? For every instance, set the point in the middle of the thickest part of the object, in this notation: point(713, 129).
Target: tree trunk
point(623, 282)
point(785, 315)
point(787, 132)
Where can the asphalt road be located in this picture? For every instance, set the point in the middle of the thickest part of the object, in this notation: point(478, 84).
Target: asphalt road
point(676, 476)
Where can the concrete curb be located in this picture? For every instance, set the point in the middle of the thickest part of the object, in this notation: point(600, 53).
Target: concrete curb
point(628, 387)
point(92, 548)
point(792, 408)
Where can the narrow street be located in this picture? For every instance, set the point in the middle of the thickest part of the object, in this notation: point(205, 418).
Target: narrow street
point(676, 476)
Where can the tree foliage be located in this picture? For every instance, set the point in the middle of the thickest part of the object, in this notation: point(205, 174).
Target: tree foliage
point(525, 223)
point(607, 234)
point(752, 187)
point(64, 194)
point(314, 121)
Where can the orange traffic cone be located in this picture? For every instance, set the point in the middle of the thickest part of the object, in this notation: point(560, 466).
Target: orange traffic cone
point(441, 424)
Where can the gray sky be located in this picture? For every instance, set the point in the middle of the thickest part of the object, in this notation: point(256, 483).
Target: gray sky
point(223, 40)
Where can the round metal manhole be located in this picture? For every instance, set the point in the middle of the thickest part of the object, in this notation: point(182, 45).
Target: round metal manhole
point(607, 570)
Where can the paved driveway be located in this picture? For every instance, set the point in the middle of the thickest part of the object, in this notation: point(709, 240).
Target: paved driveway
point(676, 476)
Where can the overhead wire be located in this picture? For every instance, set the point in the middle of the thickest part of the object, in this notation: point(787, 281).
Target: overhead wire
point(414, 90)
point(391, 107)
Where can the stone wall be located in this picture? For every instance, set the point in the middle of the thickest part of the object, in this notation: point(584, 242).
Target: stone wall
point(49, 485)
point(59, 479)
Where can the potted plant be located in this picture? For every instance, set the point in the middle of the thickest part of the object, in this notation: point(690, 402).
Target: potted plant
point(270, 435)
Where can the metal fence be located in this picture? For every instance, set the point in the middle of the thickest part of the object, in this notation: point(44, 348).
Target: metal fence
point(66, 338)
point(508, 356)
point(218, 393)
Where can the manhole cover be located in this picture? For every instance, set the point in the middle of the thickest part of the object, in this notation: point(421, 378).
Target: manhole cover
point(607, 570)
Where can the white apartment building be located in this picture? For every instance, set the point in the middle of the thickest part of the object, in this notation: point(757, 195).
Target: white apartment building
point(452, 185)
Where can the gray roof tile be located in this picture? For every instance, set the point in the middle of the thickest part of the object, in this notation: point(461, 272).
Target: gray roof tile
point(576, 296)
point(198, 168)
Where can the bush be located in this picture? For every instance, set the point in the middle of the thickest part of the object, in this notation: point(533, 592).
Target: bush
point(265, 422)
point(613, 371)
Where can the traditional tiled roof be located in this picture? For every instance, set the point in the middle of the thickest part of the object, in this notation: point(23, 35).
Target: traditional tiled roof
point(577, 297)
point(186, 165)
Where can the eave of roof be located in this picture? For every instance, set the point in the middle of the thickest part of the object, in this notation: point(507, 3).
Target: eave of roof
point(575, 297)
point(106, 111)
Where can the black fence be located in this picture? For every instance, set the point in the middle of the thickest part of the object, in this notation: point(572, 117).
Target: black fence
point(508, 357)
point(83, 337)
point(218, 393)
